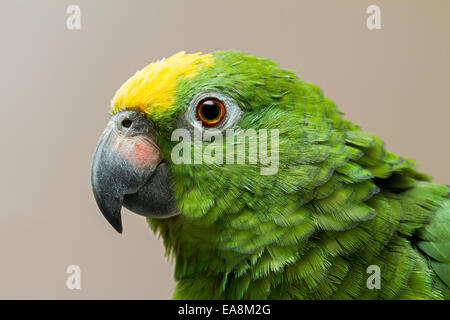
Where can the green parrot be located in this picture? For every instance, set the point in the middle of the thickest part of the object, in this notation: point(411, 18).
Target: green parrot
point(333, 216)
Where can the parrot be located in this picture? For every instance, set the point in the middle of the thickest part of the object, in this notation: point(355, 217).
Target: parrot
point(340, 218)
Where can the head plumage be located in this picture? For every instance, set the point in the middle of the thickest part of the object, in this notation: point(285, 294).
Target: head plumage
point(152, 89)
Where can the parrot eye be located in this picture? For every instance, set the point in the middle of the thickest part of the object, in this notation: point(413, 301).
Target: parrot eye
point(210, 111)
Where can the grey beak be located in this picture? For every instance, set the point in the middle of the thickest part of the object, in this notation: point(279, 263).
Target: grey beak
point(124, 161)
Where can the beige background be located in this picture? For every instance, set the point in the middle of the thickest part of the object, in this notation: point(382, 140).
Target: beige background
point(56, 85)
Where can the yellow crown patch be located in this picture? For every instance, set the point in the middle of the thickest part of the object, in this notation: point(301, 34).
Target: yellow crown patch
point(152, 89)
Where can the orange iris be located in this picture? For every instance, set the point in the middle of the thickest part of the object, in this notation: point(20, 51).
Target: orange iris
point(210, 111)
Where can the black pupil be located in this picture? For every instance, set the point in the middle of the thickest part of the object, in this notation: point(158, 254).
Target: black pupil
point(126, 123)
point(210, 110)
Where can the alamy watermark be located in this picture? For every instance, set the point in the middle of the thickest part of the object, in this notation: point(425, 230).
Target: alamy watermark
point(373, 21)
point(234, 146)
point(374, 280)
point(74, 279)
point(73, 21)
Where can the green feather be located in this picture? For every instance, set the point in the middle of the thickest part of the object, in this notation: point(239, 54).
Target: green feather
point(339, 202)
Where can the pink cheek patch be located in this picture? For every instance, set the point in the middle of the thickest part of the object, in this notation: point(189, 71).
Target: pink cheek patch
point(139, 152)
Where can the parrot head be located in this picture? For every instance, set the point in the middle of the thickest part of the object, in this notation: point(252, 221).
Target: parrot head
point(231, 209)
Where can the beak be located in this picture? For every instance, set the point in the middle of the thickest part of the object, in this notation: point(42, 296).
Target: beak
point(128, 169)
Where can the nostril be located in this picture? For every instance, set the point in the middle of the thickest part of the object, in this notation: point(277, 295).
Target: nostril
point(126, 123)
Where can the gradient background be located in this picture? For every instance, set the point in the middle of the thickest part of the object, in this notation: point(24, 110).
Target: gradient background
point(56, 85)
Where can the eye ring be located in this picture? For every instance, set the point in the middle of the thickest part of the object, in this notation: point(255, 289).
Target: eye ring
point(210, 111)
point(190, 119)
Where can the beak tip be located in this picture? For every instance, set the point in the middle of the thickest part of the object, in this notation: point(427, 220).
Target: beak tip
point(118, 229)
point(115, 221)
